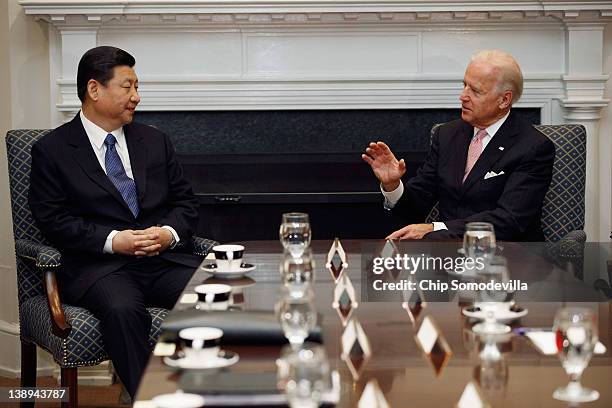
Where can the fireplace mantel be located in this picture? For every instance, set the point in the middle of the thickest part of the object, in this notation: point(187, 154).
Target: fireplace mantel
point(213, 55)
point(568, 8)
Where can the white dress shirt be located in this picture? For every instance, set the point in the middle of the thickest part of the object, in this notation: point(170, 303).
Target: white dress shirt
point(96, 136)
point(392, 197)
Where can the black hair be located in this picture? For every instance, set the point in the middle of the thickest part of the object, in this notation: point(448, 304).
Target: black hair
point(98, 64)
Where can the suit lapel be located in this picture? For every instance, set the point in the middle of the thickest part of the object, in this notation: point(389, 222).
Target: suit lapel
point(492, 153)
point(87, 160)
point(138, 159)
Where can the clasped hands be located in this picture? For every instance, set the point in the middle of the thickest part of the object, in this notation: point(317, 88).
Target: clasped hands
point(388, 170)
point(148, 242)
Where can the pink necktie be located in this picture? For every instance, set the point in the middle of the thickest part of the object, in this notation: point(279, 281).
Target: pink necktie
point(474, 152)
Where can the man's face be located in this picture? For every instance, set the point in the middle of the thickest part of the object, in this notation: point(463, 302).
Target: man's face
point(118, 99)
point(480, 100)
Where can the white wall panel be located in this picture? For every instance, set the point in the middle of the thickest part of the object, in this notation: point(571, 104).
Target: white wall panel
point(179, 54)
point(318, 54)
point(536, 51)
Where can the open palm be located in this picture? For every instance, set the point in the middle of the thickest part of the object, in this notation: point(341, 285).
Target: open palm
point(387, 169)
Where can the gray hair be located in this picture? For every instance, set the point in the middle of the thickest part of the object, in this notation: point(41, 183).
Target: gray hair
point(510, 78)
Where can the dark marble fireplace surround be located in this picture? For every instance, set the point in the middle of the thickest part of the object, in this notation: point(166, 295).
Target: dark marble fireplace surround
point(249, 167)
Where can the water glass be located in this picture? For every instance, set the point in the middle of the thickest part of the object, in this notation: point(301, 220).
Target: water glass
point(576, 336)
point(297, 316)
point(492, 300)
point(294, 233)
point(479, 240)
point(308, 376)
point(297, 273)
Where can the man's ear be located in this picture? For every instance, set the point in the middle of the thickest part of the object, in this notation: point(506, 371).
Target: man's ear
point(93, 87)
point(505, 100)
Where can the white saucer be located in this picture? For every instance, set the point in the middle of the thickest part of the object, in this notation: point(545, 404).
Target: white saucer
point(467, 274)
point(224, 359)
point(236, 273)
point(179, 399)
point(503, 315)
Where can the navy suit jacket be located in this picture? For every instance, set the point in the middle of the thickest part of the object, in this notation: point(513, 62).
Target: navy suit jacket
point(76, 206)
point(512, 201)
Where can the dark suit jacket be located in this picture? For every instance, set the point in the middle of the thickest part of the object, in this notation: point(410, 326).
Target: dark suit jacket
point(76, 206)
point(512, 202)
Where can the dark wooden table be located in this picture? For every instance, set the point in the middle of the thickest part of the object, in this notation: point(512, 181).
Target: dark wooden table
point(405, 374)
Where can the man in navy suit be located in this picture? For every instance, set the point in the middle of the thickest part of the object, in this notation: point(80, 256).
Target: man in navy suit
point(489, 166)
point(111, 196)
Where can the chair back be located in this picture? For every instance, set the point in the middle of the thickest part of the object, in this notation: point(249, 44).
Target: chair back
point(19, 146)
point(563, 207)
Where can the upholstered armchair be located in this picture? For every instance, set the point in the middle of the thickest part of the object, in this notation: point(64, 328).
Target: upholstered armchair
point(563, 207)
point(71, 334)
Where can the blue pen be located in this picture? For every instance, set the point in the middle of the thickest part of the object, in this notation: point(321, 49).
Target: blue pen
point(521, 331)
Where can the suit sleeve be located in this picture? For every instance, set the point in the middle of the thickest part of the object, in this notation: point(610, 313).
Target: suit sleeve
point(421, 191)
point(182, 203)
point(520, 202)
point(48, 203)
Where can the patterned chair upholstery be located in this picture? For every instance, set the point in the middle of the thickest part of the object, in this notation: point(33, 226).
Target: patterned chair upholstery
point(563, 207)
point(78, 342)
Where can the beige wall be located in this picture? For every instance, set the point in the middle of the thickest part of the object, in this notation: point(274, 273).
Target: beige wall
point(24, 96)
point(605, 131)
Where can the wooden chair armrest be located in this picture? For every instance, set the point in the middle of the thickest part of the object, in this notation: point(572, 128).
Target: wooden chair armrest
point(60, 326)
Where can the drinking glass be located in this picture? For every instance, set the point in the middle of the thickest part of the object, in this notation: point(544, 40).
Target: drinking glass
point(492, 376)
point(576, 336)
point(492, 300)
point(294, 233)
point(297, 273)
point(479, 240)
point(297, 316)
point(308, 376)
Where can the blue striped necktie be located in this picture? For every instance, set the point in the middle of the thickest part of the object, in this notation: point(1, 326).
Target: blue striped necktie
point(116, 173)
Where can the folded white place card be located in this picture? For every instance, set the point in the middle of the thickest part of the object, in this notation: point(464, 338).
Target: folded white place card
point(471, 397)
point(189, 298)
point(493, 174)
point(427, 335)
point(164, 349)
point(372, 396)
point(544, 342)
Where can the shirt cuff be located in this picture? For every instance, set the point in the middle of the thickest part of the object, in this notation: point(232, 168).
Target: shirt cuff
point(392, 197)
point(438, 226)
point(108, 245)
point(174, 234)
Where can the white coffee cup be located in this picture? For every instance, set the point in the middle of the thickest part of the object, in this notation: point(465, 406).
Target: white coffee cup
point(200, 342)
point(228, 257)
point(213, 296)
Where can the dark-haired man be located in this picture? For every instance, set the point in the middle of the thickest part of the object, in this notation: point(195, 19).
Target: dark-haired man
point(111, 196)
point(489, 166)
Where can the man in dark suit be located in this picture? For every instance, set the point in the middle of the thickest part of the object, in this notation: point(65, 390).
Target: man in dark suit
point(489, 166)
point(111, 196)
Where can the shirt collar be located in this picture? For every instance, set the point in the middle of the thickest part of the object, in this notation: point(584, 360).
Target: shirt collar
point(492, 129)
point(97, 135)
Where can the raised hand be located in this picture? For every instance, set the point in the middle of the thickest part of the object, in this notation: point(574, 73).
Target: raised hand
point(387, 169)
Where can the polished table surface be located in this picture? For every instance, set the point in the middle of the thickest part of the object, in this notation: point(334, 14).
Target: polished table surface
point(406, 375)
